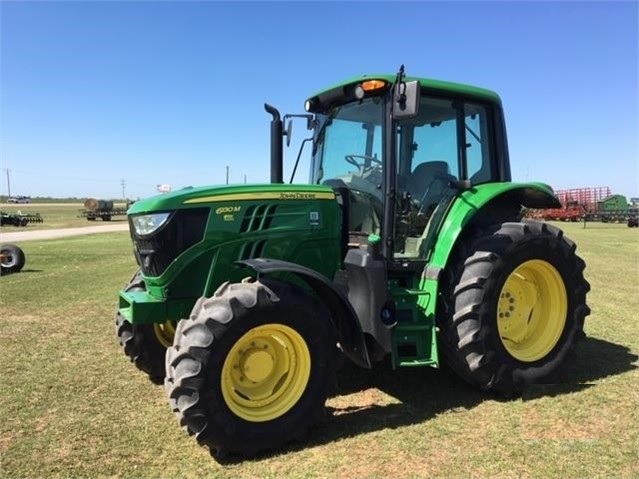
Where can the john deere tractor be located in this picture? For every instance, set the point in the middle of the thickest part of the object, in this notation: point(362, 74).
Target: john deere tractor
point(407, 245)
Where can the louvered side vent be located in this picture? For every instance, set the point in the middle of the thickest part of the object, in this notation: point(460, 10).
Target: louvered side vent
point(258, 218)
point(251, 249)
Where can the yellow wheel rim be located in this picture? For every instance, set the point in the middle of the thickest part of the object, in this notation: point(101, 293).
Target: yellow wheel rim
point(532, 308)
point(164, 333)
point(265, 372)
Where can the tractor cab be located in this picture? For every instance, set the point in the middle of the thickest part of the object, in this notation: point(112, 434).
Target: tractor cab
point(392, 172)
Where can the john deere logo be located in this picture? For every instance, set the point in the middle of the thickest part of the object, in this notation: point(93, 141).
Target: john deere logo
point(297, 196)
point(223, 210)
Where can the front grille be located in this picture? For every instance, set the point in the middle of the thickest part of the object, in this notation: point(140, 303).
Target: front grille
point(183, 229)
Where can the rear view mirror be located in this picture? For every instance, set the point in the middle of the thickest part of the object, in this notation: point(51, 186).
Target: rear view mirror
point(406, 99)
point(289, 132)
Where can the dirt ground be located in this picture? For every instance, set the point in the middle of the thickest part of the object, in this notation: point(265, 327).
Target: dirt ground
point(60, 233)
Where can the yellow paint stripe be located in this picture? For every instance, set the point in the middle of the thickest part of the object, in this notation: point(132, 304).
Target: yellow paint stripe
point(285, 196)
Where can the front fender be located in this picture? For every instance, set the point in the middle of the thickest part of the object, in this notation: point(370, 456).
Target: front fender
point(345, 320)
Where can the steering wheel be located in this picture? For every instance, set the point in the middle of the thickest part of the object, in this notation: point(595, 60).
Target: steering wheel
point(367, 159)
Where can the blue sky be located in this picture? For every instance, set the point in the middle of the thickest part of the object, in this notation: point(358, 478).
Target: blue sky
point(93, 93)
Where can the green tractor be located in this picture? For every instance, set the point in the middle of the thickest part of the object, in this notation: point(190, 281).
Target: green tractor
point(407, 245)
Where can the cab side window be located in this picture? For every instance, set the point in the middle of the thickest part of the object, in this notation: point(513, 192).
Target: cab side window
point(434, 164)
point(478, 149)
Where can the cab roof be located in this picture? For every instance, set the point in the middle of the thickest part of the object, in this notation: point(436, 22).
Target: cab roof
point(426, 83)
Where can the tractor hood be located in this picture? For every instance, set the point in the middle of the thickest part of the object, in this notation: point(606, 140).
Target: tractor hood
point(201, 196)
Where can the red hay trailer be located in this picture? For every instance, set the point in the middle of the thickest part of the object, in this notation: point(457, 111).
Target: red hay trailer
point(576, 203)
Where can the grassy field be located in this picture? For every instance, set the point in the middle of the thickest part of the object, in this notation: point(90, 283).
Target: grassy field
point(55, 215)
point(73, 406)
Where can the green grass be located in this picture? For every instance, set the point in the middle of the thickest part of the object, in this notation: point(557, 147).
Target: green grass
point(55, 215)
point(72, 404)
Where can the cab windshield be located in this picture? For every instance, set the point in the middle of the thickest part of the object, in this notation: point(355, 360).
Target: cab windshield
point(348, 148)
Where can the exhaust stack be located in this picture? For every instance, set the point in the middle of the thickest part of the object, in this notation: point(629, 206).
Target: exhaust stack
point(276, 145)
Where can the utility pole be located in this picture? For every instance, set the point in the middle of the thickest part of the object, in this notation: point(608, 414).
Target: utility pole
point(227, 175)
point(123, 183)
point(8, 184)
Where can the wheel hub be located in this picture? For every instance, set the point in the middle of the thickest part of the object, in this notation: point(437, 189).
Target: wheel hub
point(8, 260)
point(266, 372)
point(515, 309)
point(256, 365)
point(164, 333)
point(531, 310)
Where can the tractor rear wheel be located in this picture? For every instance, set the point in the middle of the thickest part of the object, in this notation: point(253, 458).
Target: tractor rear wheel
point(514, 306)
point(144, 344)
point(11, 259)
point(252, 367)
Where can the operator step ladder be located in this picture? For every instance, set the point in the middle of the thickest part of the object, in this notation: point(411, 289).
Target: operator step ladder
point(413, 338)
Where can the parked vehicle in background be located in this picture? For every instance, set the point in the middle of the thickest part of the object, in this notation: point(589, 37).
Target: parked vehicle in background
point(19, 199)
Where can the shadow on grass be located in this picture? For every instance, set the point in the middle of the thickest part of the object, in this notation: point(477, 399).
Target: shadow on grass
point(596, 359)
point(23, 271)
point(424, 393)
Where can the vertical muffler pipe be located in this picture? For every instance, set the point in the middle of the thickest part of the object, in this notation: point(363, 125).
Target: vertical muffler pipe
point(277, 152)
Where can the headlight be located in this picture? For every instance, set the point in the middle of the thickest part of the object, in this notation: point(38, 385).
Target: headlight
point(147, 224)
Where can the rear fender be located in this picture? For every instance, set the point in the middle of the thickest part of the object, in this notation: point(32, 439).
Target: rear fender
point(482, 204)
point(488, 203)
point(344, 318)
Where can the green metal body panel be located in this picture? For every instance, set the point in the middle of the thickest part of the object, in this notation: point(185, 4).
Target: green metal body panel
point(221, 193)
point(299, 223)
point(416, 327)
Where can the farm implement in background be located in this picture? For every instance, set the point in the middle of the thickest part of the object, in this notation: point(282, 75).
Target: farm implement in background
point(19, 219)
point(590, 204)
point(103, 209)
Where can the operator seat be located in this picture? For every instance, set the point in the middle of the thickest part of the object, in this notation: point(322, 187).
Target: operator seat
point(427, 185)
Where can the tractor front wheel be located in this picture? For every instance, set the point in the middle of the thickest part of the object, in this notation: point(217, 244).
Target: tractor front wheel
point(514, 306)
point(144, 344)
point(252, 367)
